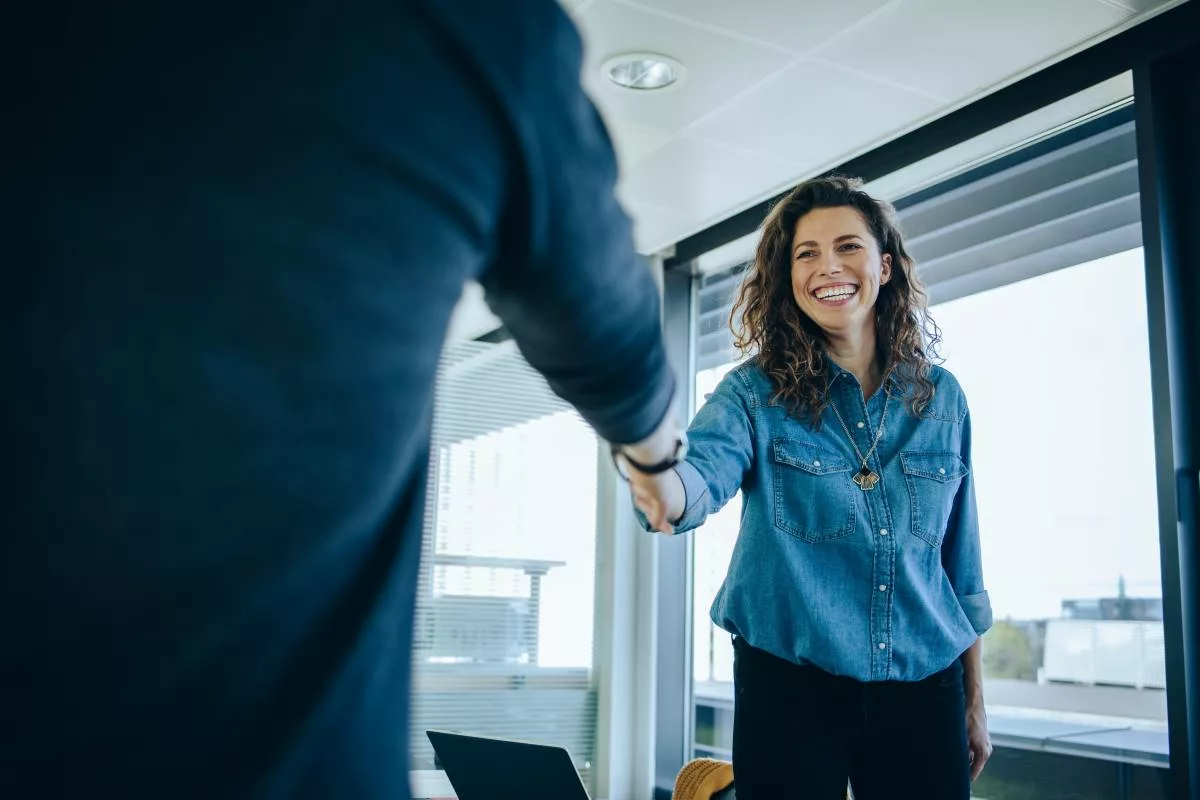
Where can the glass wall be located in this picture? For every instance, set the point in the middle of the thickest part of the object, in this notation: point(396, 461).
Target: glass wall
point(712, 651)
point(1017, 774)
point(1057, 372)
point(1036, 276)
point(1056, 369)
point(506, 613)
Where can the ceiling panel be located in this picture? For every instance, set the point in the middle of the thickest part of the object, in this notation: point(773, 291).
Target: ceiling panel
point(813, 114)
point(719, 67)
point(700, 180)
point(755, 115)
point(952, 48)
point(655, 227)
point(799, 27)
point(634, 141)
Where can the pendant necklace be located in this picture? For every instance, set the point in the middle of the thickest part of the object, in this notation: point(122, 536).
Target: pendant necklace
point(865, 478)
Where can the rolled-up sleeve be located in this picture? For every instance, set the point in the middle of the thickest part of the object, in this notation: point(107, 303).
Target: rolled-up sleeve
point(962, 556)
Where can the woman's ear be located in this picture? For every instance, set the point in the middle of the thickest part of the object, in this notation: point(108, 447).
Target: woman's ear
point(885, 268)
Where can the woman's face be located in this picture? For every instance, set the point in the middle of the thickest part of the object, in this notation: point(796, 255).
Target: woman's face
point(837, 270)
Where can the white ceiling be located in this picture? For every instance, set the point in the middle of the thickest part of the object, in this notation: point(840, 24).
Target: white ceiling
point(778, 90)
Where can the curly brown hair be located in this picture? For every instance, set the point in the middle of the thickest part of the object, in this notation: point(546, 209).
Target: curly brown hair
point(766, 319)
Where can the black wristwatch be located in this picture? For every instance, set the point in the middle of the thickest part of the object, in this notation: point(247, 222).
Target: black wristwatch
point(670, 462)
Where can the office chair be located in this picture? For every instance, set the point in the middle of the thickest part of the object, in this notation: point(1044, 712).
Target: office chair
point(709, 779)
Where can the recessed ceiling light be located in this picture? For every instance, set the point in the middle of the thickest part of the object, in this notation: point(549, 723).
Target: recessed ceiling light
point(643, 71)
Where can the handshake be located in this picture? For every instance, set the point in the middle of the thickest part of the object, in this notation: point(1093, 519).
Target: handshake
point(649, 467)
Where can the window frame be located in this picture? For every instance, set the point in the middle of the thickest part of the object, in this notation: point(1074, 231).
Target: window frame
point(1145, 50)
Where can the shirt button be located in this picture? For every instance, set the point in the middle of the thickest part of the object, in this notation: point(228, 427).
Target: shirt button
point(862, 424)
point(816, 463)
point(941, 470)
point(883, 646)
point(883, 587)
point(883, 531)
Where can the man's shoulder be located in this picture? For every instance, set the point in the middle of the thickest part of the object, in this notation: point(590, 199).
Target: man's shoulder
point(508, 37)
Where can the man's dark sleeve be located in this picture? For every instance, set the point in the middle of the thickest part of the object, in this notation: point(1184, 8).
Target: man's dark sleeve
point(580, 302)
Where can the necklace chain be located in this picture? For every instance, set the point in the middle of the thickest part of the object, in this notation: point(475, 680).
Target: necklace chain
point(878, 433)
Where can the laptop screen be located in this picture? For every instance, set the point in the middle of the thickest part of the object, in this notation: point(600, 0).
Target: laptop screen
point(481, 768)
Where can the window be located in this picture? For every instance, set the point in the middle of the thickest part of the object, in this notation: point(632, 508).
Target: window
point(1014, 774)
point(1056, 370)
point(1057, 373)
point(712, 649)
point(506, 610)
point(1034, 264)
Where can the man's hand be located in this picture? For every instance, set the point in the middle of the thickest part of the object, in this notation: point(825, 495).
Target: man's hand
point(979, 743)
point(660, 497)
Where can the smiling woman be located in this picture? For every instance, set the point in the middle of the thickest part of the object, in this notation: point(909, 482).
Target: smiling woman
point(855, 580)
point(838, 254)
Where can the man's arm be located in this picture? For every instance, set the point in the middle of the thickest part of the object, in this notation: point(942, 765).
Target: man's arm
point(577, 298)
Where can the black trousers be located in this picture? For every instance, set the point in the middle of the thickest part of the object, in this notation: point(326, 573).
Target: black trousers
point(800, 733)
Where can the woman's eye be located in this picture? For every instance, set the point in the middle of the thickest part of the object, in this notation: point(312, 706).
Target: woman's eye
point(806, 254)
point(850, 246)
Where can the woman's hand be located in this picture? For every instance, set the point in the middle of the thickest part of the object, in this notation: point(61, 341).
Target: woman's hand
point(979, 743)
point(660, 497)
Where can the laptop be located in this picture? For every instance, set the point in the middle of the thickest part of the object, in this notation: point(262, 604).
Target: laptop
point(482, 768)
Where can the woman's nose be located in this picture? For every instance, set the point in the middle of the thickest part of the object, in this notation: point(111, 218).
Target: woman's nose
point(831, 264)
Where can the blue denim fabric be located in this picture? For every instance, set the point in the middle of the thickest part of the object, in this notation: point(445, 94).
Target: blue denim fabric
point(875, 585)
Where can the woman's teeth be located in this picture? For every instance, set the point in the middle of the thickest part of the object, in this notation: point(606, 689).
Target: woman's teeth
point(835, 292)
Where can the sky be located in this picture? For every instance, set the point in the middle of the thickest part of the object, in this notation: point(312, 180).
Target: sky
point(1056, 370)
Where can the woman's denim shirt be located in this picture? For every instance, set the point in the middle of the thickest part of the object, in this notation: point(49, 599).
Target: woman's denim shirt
point(876, 585)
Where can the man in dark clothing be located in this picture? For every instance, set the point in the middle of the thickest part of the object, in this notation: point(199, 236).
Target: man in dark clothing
point(235, 235)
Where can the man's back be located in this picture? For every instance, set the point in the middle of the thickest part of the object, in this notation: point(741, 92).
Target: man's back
point(238, 236)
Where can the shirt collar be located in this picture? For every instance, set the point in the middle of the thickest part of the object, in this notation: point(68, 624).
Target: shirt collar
point(836, 373)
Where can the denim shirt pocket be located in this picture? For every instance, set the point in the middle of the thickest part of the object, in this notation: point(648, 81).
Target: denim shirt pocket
point(933, 478)
point(812, 491)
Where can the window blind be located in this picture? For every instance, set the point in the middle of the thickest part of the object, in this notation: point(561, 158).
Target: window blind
point(1067, 200)
point(505, 612)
